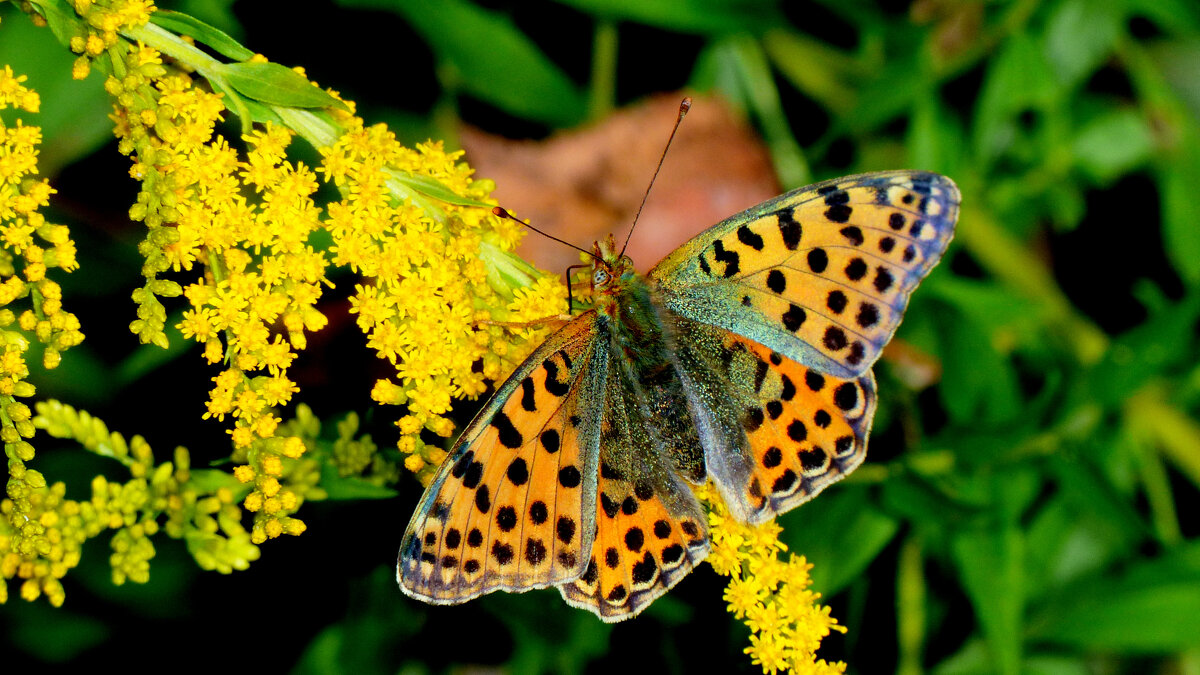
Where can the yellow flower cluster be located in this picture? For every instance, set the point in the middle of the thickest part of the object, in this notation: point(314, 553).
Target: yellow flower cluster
point(37, 544)
point(102, 20)
point(427, 289)
point(203, 512)
point(770, 595)
point(259, 272)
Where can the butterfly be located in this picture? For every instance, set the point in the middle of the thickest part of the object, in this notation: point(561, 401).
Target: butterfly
point(744, 357)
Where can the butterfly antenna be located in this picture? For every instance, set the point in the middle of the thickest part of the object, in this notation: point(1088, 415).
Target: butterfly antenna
point(684, 106)
point(497, 211)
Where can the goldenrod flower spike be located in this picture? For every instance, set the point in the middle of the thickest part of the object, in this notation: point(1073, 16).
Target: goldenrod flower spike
point(770, 594)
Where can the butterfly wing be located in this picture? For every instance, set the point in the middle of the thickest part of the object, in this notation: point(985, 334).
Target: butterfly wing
point(776, 432)
point(821, 275)
point(780, 312)
point(650, 529)
point(513, 505)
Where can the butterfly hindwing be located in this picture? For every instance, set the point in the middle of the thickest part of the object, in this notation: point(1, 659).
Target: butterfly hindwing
point(650, 529)
point(777, 432)
point(513, 507)
point(821, 275)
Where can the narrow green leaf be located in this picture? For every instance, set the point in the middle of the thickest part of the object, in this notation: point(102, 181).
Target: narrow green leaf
point(935, 138)
point(1150, 608)
point(491, 58)
point(60, 18)
point(699, 16)
point(1018, 78)
point(1080, 34)
point(814, 68)
point(755, 86)
point(1181, 210)
point(989, 562)
point(431, 187)
point(192, 27)
point(275, 84)
point(352, 487)
point(235, 102)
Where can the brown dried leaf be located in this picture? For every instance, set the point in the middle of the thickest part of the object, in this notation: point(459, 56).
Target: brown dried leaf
point(582, 184)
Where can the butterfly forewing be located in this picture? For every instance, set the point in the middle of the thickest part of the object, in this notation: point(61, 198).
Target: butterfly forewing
point(513, 507)
point(821, 275)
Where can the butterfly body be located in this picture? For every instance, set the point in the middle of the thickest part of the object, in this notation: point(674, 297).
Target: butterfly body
point(743, 358)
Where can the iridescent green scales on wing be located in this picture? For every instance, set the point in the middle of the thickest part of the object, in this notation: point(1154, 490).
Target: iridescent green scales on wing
point(744, 358)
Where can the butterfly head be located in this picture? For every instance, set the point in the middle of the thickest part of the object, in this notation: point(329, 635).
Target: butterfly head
point(609, 266)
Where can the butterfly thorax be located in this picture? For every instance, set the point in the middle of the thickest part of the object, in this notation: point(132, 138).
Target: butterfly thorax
point(630, 304)
point(644, 340)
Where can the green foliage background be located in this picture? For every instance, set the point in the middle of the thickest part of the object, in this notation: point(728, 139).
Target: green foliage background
point(1034, 511)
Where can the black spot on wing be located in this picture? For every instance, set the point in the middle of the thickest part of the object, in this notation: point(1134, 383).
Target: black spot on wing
point(730, 258)
point(856, 269)
point(789, 229)
point(749, 238)
point(818, 260)
point(793, 318)
point(553, 386)
point(509, 436)
point(839, 210)
point(527, 400)
point(776, 281)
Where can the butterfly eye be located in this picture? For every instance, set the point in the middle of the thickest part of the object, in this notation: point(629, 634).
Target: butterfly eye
point(600, 277)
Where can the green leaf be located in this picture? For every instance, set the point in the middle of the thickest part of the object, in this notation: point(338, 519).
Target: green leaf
point(53, 635)
point(989, 562)
point(1181, 209)
point(73, 114)
point(351, 487)
point(1178, 16)
point(974, 659)
point(753, 85)
point(275, 84)
point(431, 187)
point(184, 24)
point(1179, 61)
point(1113, 144)
point(890, 94)
point(698, 16)
point(491, 58)
point(1163, 342)
point(61, 19)
point(840, 534)
point(1018, 78)
point(979, 385)
point(1149, 608)
point(209, 481)
point(935, 138)
point(813, 67)
point(1080, 35)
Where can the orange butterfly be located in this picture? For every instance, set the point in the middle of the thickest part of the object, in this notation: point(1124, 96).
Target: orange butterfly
point(744, 358)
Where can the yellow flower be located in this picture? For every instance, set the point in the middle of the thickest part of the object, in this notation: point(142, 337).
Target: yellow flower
point(771, 595)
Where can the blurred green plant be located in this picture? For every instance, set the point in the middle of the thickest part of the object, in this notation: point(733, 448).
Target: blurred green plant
point(1032, 506)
